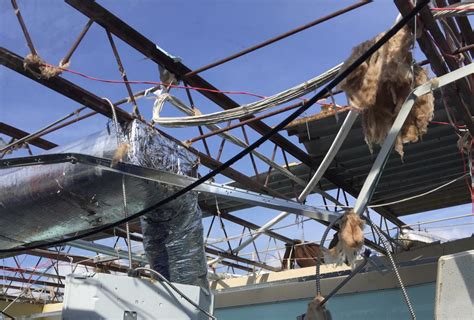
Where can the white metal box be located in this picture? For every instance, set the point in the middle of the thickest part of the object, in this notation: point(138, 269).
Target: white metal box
point(105, 296)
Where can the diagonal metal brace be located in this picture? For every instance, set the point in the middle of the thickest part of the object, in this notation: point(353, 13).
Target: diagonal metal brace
point(375, 173)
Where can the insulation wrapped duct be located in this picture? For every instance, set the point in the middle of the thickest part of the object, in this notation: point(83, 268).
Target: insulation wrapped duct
point(380, 85)
point(38, 203)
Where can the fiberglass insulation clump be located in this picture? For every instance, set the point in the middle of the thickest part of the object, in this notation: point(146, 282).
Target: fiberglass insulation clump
point(380, 85)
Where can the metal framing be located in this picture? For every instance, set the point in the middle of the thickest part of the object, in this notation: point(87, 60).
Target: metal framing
point(258, 189)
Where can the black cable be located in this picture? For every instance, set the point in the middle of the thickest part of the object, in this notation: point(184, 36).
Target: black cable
point(172, 286)
point(341, 76)
point(7, 315)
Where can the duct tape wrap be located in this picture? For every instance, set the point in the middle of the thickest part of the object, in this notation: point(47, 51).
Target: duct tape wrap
point(173, 234)
point(44, 202)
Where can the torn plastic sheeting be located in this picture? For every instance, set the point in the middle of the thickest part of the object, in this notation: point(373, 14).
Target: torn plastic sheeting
point(50, 201)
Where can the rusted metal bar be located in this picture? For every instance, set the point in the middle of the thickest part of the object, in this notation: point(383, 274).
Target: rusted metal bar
point(76, 43)
point(244, 122)
point(35, 140)
point(119, 28)
point(76, 259)
point(36, 273)
point(466, 29)
point(234, 257)
point(287, 165)
point(18, 134)
point(252, 159)
point(457, 51)
point(136, 95)
point(226, 236)
point(9, 297)
point(245, 223)
point(267, 178)
point(277, 38)
point(33, 281)
point(131, 36)
point(254, 246)
point(451, 28)
point(123, 74)
point(67, 123)
point(225, 233)
point(23, 28)
point(92, 101)
point(63, 86)
point(221, 148)
point(460, 98)
point(33, 289)
point(236, 266)
point(201, 132)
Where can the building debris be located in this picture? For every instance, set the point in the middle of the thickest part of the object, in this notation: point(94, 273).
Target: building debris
point(348, 241)
point(381, 84)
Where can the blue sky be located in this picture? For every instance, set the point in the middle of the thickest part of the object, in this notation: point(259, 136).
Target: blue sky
point(199, 32)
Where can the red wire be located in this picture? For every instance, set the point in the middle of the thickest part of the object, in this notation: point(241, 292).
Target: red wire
point(156, 83)
point(446, 123)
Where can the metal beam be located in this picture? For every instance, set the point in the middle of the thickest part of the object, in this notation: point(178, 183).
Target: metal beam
point(32, 281)
point(236, 266)
point(131, 36)
point(33, 289)
point(63, 86)
point(36, 273)
point(149, 49)
point(457, 95)
point(88, 99)
point(329, 157)
point(8, 297)
point(226, 255)
point(177, 180)
point(246, 223)
point(72, 258)
point(100, 248)
point(18, 134)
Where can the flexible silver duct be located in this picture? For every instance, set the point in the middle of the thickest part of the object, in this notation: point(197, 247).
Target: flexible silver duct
point(49, 201)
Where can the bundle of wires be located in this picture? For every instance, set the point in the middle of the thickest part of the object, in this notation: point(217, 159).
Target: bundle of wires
point(250, 108)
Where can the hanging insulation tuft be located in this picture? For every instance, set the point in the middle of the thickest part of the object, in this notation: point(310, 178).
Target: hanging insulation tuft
point(381, 84)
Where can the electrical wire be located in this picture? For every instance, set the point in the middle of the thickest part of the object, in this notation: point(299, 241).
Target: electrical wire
point(307, 104)
point(318, 261)
point(295, 92)
point(245, 110)
point(155, 83)
point(124, 190)
point(172, 286)
point(394, 266)
point(418, 195)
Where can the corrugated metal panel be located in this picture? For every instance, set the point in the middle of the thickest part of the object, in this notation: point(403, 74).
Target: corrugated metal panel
point(427, 164)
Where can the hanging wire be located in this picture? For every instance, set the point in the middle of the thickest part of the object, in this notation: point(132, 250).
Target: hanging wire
point(394, 266)
point(124, 191)
point(318, 261)
point(172, 286)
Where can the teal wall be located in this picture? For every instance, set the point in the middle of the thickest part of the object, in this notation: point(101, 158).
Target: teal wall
point(383, 304)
